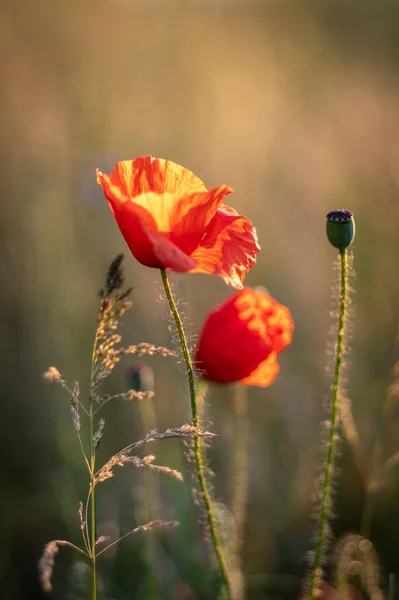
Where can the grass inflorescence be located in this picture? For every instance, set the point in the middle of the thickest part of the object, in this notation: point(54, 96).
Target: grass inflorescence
point(107, 352)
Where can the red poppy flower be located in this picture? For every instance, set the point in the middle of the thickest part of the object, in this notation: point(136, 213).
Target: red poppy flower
point(171, 221)
point(242, 337)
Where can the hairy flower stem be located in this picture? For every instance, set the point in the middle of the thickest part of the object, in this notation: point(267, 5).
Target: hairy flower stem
point(199, 464)
point(326, 490)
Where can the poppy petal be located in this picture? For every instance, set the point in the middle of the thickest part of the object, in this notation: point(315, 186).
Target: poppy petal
point(169, 255)
point(149, 246)
point(191, 216)
point(229, 247)
point(183, 219)
point(149, 174)
point(180, 221)
point(137, 225)
point(265, 373)
point(184, 216)
point(269, 317)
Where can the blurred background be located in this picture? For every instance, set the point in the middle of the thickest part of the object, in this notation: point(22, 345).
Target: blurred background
point(295, 105)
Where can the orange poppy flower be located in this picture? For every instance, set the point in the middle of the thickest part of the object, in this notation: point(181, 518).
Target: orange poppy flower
point(242, 337)
point(171, 221)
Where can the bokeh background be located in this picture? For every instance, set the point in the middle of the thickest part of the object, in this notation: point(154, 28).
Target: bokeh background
point(295, 105)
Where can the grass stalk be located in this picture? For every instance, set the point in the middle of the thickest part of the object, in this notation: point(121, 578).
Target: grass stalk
point(199, 462)
point(92, 462)
point(328, 470)
point(92, 509)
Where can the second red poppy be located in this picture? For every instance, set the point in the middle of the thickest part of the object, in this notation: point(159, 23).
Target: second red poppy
point(242, 338)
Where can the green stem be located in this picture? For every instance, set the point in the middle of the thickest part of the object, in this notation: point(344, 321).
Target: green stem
point(93, 509)
point(183, 343)
point(206, 496)
point(92, 460)
point(333, 428)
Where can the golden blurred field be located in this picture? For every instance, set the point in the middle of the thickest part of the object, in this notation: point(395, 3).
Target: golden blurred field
point(296, 106)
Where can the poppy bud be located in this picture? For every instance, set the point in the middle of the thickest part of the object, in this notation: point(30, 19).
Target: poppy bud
point(340, 228)
point(140, 378)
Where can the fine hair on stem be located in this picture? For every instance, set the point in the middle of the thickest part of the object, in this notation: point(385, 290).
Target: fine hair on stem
point(325, 481)
point(204, 491)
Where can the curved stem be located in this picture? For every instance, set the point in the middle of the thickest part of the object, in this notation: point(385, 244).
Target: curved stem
point(83, 451)
point(199, 464)
point(183, 343)
point(70, 545)
point(326, 490)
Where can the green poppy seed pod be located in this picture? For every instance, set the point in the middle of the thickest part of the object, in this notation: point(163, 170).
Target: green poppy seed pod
point(340, 228)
